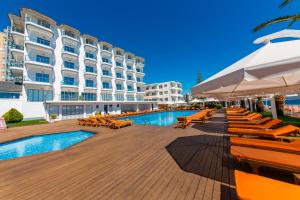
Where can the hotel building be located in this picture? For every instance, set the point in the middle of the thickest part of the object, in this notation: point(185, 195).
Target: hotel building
point(164, 93)
point(67, 73)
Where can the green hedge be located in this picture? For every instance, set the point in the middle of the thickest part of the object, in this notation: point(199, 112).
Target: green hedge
point(13, 115)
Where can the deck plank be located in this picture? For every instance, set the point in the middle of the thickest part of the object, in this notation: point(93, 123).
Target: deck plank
point(138, 162)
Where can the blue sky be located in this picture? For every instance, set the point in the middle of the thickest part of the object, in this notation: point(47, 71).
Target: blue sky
point(177, 38)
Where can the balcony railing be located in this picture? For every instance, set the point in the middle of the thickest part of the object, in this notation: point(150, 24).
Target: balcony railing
point(69, 83)
point(91, 85)
point(16, 29)
point(69, 50)
point(70, 34)
point(107, 74)
point(40, 41)
point(42, 23)
point(71, 68)
point(13, 45)
point(15, 63)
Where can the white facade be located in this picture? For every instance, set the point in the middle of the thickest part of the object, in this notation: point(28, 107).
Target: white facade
point(164, 93)
point(58, 66)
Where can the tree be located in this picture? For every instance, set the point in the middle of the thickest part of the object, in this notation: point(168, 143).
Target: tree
point(289, 18)
point(199, 78)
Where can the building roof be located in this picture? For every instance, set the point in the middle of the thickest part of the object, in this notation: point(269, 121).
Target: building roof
point(38, 14)
point(7, 86)
point(67, 27)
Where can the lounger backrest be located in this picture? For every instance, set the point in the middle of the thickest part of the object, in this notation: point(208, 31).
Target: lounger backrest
point(265, 119)
point(181, 119)
point(285, 130)
point(273, 122)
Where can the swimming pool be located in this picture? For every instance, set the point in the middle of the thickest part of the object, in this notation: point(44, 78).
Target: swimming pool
point(159, 118)
point(41, 144)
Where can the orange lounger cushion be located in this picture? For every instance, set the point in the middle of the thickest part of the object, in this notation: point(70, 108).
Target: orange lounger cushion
point(285, 130)
point(255, 122)
point(254, 187)
point(289, 147)
point(267, 125)
point(274, 159)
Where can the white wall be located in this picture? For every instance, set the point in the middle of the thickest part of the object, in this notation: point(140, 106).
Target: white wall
point(30, 110)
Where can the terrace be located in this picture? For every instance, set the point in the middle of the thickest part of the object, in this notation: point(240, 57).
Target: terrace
point(136, 162)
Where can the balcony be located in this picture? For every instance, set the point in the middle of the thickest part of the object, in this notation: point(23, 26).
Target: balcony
point(130, 61)
point(90, 72)
point(119, 57)
point(71, 37)
point(39, 25)
point(90, 86)
point(72, 70)
point(39, 44)
point(17, 33)
point(90, 45)
point(107, 75)
point(16, 66)
point(106, 52)
point(70, 52)
point(39, 64)
point(106, 62)
point(90, 57)
point(35, 82)
point(16, 50)
point(69, 84)
point(122, 78)
point(140, 71)
point(106, 88)
point(139, 64)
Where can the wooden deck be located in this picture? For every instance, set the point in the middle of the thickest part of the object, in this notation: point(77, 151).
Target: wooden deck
point(138, 162)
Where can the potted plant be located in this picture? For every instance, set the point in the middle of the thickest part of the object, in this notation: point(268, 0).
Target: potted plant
point(260, 107)
point(53, 118)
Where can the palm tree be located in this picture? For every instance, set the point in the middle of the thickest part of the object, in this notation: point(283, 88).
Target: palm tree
point(289, 18)
point(280, 99)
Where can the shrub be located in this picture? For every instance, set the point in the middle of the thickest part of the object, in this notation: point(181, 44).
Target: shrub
point(13, 115)
point(218, 106)
point(53, 116)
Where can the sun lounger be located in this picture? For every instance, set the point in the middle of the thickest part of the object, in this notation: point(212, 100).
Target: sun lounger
point(253, 116)
point(238, 113)
point(254, 187)
point(288, 147)
point(120, 123)
point(269, 124)
point(182, 122)
point(282, 131)
point(254, 122)
point(261, 157)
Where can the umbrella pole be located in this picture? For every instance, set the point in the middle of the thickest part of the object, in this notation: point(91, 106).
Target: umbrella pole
point(273, 106)
point(250, 103)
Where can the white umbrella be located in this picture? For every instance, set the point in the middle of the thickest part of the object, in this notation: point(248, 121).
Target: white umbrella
point(272, 66)
point(196, 101)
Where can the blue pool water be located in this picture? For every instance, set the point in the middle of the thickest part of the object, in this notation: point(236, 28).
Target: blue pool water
point(41, 144)
point(159, 118)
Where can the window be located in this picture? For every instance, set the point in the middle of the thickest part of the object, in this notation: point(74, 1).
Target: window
point(160, 86)
point(119, 97)
point(129, 77)
point(140, 98)
point(129, 88)
point(166, 92)
point(119, 53)
point(129, 67)
point(118, 64)
point(130, 97)
point(106, 72)
point(43, 23)
point(119, 75)
point(119, 86)
point(39, 77)
point(106, 48)
point(105, 85)
point(139, 89)
point(89, 109)
point(9, 95)
point(88, 41)
point(42, 59)
point(69, 81)
point(69, 49)
point(53, 110)
point(39, 95)
point(89, 83)
point(69, 96)
point(69, 65)
point(69, 33)
point(72, 111)
point(90, 55)
point(138, 79)
point(166, 99)
point(89, 96)
point(106, 97)
point(160, 93)
point(43, 41)
point(139, 70)
point(129, 57)
point(106, 60)
point(89, 69)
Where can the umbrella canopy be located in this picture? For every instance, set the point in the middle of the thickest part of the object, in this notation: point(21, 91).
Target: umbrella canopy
point(273, 68)
point(196, 101)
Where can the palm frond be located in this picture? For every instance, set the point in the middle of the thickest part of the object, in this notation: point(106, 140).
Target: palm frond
point(285, 3)
point(291, 18)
